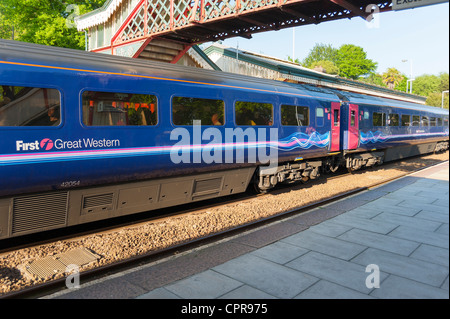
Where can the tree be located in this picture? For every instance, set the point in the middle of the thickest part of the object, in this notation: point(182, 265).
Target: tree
point(297, 61)
point(45, 22)
point(426, 84)
point(352, 62)
point(327, 66)
point(373, 78)
point(392, 77)
point(435, 99)
point(402, 86)
point(320, 52)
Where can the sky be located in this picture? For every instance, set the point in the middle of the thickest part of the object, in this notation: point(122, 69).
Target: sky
point(419, 35)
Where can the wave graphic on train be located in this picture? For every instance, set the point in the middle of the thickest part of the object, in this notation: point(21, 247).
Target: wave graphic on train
point(304, 141)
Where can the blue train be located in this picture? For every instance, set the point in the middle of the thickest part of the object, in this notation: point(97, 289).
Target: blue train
point(85, 137)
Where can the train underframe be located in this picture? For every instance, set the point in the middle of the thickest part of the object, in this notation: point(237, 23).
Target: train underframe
point(292, 172)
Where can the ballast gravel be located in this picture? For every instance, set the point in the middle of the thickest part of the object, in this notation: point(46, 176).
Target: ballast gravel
point(142, 238)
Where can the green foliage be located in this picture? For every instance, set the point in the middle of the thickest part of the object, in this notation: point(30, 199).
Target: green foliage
point(45, 22)
point(292, 60)
point(402, 85)
point(392, 77)
point(328, 67)
point(426, 84)
point(352, 62)
point(435, 99)
point(373, 78)
point(432, 86)
point(320, 52)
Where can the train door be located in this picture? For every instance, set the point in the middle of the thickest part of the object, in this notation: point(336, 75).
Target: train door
point(335, 126)
point(353, 127)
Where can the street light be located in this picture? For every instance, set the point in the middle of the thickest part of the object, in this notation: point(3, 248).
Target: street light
point(411, 78)
point(443, 92)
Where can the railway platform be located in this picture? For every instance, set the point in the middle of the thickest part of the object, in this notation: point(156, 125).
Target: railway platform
point(388, 242)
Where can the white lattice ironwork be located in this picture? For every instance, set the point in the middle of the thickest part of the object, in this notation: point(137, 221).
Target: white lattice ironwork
point(135, 28)
point(158, 16)
point(195, 21)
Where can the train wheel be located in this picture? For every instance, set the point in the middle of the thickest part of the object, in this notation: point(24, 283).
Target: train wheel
point(259, 190)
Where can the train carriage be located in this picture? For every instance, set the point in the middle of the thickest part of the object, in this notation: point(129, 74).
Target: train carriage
point(85, 137)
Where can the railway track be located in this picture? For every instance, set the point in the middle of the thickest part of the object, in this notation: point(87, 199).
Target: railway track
point(47, 287)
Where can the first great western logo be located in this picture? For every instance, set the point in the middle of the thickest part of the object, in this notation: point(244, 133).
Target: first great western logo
point(47, 144)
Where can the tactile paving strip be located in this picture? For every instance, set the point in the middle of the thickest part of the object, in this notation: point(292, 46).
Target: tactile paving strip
point(53, 265)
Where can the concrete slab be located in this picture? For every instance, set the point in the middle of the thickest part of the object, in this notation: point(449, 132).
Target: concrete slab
point(159, 293)
point(421, 206)
point(396, 185)
point(205, 285)
point(336, 270)
point(346, 205)
point(428, 193)
point(385, 201)
point(269, 277)
point(432, 254)
point(365, 212)
point(315, 216)
point(380, 241)
point(386, 208)
point(409, 221)
point(411, 198)
point(395, 287)
point(369, 195)
point(325, 245)
point(263, 237)
point(444, 229)
point(426, 237)
point(247, 292)
point(406, 267)
point(382, 227)
point(442, 202)
point(330, 229)
point(324, 289)
point(280, 252)
point(438, 216)
point(445, 285)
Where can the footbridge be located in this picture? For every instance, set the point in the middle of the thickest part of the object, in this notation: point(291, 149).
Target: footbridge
point(165, 29)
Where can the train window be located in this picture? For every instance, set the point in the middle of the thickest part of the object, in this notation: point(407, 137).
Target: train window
point(319, 116)
point(29, 106)
point(446, 121)
point(352, 118)
point(379, 119)
point(432, 121)
point(292, 115)
point(416, 120)
point(439, 121)
point(405, 120)
point(425, 121)
point(366, 115)
point(119, 109)
point(186, 110)
point(336, 117)
point(252, 113)
point(393, 120)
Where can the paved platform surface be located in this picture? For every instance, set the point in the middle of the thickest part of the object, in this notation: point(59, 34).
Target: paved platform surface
point(388, 242)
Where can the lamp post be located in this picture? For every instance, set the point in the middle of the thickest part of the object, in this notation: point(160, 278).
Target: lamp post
point(411, 79)
point(443, 92)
